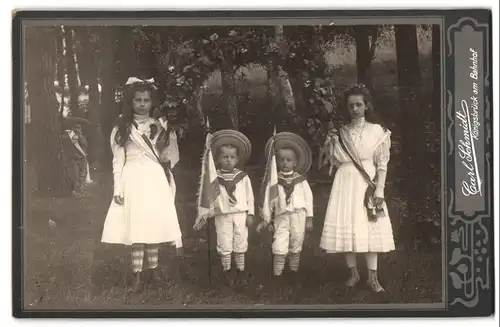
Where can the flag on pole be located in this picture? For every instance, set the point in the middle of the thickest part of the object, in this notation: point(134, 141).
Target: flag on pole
point(209, 192)
point(172, 150)
point(270, 184)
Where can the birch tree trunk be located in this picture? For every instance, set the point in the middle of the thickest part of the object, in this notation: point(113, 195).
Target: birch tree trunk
point(229, 93)
point(280, 88)
point(72, 74)
point(60, 67)
point(96, 139)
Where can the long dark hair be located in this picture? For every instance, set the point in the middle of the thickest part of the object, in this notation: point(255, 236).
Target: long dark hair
point(126, 117)
point(371, 115)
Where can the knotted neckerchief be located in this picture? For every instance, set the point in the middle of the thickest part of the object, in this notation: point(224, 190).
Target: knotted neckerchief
point(229, 179)
point(288, 182)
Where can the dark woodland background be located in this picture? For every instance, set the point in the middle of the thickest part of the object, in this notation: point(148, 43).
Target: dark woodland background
point(248, 78)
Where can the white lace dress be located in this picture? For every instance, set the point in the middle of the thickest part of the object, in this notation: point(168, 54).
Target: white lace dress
point(148, 215)
point(346, 227)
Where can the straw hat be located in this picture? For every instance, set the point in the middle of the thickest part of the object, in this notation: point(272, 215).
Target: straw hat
point(298, 144)
point(71, 121)
point(234, 138)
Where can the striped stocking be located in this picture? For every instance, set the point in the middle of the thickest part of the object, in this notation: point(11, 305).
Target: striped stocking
point(293, 261)
point(225, 259)
point(137, 257)
point(239, 259)
point(152, 252)
point(278, 264)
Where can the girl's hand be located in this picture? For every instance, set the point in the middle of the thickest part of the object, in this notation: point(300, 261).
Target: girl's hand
point(119, 199)
point(378, 197)
point(263, 224)
point(163, 122)
point(309, 224)
point(250, 219)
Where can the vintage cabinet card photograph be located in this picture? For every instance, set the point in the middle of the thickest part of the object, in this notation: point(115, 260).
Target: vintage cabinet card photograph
point(253, 163)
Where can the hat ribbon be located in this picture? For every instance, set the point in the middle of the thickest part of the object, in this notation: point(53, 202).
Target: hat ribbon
point(135, 80)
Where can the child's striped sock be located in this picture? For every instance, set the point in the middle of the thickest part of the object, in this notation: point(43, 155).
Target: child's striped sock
point(152, 252)
point(278, 264)
point(226, 261)
point(137, 257)
point(293, 261)
point(239, 259)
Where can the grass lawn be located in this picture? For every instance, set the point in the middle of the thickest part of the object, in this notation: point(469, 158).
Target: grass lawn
point(66, 266)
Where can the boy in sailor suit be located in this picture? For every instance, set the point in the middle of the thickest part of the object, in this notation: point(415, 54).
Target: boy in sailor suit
point(236, 210)
point(293, 214)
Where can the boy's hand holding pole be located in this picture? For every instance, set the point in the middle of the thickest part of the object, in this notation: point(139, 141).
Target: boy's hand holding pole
point(309, 224)
point(250, 220)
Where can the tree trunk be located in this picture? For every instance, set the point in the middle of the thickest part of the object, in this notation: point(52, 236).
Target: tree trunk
point(407, 53)
point(165, 57)
point(280, 88)
point(60, 68)
point(147, 64)
point(298, 87)
point(160, 69)
point(272, 91)
point(291, 119)
point(285, 88)
point(45, 136)
point(80, 52)
point(413, 148)
point(72, 74)
point(127, 56)
point(228, 93)
point(364, 53)
point(108, 58)
point(96, 139)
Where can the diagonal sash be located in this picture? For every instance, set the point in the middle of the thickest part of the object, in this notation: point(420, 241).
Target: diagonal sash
point(373, 212)
point(348, 147)
point(76, 144)
point(140, 140)
point(150, 146)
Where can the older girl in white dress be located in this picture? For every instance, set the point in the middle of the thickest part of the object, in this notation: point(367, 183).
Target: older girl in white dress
point(357, 221)
point(142, 213)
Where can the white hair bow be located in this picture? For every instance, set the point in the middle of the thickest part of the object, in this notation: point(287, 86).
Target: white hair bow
point(133, 80)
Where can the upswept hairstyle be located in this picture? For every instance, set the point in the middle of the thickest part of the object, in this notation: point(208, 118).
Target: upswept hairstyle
point(370, 113)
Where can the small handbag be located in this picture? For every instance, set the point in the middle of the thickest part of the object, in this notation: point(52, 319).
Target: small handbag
point(373, 211)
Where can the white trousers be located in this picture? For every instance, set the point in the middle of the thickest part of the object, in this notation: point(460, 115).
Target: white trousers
point(289, 230)
point(232, 233)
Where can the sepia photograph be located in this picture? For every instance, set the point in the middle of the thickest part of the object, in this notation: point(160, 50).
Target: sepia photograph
point(235, 163)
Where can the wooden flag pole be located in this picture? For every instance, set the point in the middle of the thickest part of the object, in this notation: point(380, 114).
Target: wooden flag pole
point(272, 213)
point(207, 130)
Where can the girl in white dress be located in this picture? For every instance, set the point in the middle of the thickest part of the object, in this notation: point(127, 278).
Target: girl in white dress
point(142, 213)
point(357, 221)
